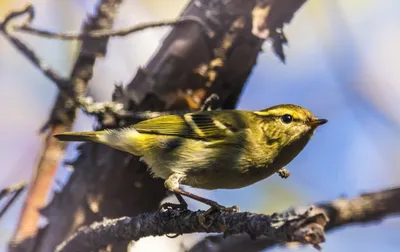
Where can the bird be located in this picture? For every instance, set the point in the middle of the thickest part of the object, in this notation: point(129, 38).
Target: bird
point(217, 149)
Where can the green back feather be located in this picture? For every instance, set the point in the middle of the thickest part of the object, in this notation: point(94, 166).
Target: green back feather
point(198, 125)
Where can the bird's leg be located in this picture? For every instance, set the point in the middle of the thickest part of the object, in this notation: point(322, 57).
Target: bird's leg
point(172, 184)
point(283, 173)
point(182, 204)
point(210, 103)
point(204, 218)
point(214, 205)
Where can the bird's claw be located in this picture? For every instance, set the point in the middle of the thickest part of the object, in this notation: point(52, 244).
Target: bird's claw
point(284, 173)
point(232, 209)
point(206, 219)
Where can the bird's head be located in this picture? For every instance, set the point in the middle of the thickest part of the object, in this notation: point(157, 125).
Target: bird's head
point(287, 123)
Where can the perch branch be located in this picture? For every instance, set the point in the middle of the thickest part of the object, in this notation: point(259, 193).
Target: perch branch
point(306, 227)
point(341, 212)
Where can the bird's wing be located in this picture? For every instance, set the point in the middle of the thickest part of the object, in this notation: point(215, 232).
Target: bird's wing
point(198, 125)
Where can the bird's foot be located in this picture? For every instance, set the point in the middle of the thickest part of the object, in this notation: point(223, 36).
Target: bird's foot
point(284, 173)
point(173, 206)
point(206, 219)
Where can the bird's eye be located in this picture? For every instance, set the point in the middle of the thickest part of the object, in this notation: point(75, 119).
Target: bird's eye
point(286, 118)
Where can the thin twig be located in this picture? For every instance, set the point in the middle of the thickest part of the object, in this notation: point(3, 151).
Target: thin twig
point(16, 191)
point(99, 34)
point(61, 82)
point(88, 106)
point(116, 109)
point(12, 189)
point(64, 85)
point(305, 227)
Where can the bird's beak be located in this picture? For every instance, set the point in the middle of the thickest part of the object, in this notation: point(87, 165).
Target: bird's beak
point(317, 122)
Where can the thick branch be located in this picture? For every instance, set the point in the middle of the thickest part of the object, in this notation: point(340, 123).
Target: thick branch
point(366, 208)
point(301, 227)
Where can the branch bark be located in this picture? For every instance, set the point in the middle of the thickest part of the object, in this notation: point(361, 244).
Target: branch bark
point(305, 227)
point(365, 209)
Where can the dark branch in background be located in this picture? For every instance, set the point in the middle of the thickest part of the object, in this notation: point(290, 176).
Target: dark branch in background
point(269, 18)
point(15, 191)
point(306, 227)
point(367, 208)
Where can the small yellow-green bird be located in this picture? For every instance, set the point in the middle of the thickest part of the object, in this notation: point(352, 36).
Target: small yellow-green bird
point(213, 149)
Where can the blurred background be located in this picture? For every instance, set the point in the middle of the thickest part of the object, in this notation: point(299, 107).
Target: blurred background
point(343, 63)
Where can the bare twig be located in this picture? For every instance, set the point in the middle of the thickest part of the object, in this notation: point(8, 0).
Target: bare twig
point(305, 227)
point(366, 208)
point(88, 106)
point(99, 34)
point(61, 82)
point(16, 191)
point(12, 189)
point(64, 85)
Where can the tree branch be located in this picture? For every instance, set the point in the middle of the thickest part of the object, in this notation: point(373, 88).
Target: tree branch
point(61, 82)
point(65, 85)
point(16, 191)
point(88, 106)
point(290, 226)
point(101, 34)
point(306, 227)
point(366, 208)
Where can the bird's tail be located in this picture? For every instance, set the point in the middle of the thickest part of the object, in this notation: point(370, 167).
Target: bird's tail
point(128, 139)
point(92, 136)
